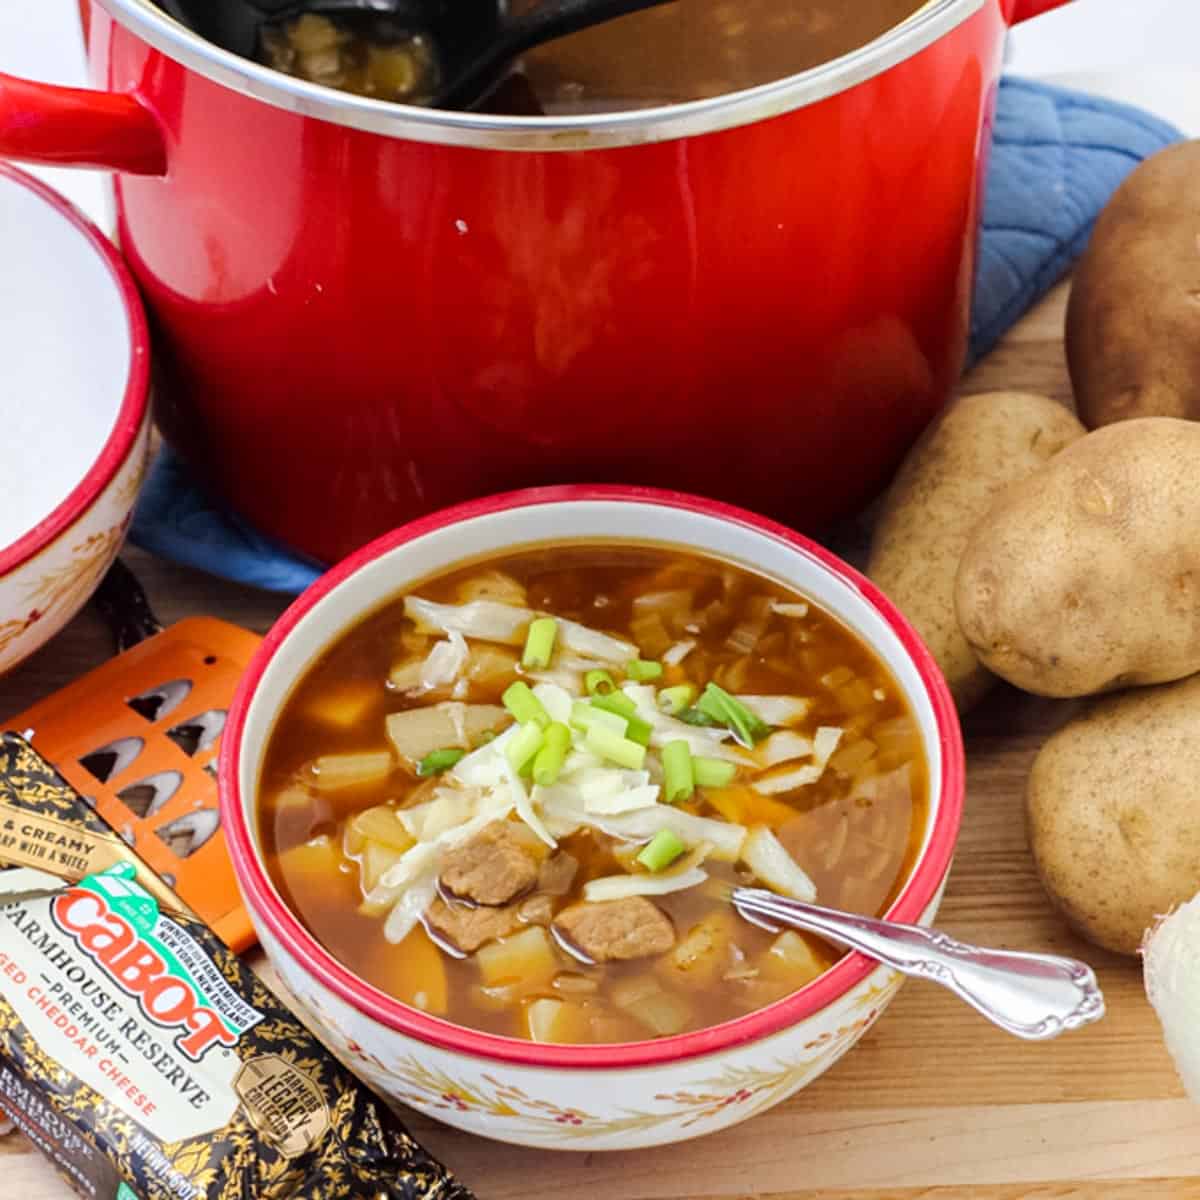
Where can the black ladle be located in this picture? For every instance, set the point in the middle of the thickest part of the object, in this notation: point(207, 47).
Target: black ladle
point(473, 41)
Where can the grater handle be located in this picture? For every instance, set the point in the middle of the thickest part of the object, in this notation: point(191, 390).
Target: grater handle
point(122, 603)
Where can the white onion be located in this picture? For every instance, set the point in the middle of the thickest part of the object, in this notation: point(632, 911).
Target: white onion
point(1171, 956)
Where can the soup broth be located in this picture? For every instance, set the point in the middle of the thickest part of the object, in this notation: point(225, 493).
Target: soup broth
point(687, 50)
point(403, 826)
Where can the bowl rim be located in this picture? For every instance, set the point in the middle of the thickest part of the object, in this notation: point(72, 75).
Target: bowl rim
point(265, 905)
point(131, 412)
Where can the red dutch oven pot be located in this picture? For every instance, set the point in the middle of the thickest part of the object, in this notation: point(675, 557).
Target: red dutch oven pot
point(365, 311)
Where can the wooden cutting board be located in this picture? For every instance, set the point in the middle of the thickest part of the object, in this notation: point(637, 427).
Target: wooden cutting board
point(933, 1103)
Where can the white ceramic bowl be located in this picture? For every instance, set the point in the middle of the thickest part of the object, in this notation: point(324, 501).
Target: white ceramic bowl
point(582, 1097)
point(74, 372)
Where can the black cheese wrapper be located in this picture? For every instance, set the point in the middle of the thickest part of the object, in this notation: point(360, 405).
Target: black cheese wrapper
point(148, 1063)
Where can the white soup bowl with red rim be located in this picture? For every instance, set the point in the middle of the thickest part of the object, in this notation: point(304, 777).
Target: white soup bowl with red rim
point(74, 386)
point(594, 1097)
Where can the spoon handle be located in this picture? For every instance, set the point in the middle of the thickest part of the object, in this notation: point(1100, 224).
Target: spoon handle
point(1034, 996)
point(543, 22)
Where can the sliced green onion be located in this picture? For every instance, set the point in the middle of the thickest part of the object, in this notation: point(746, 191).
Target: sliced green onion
point(674, 700)
point(693, 716)
point(584, 716)
point(552, 755)
point(729, 711)
point(713, 772)
point(616, 702)
point(599, 683)
point(637, 730)
point(661, 850)
point(539, 644)
point(437, 761)
point(607, 743)
point(678, 780)
point(642, 670)
point(524, 744)
point(519, 699)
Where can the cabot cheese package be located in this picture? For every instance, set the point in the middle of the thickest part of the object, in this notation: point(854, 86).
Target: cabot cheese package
point(142, 1057)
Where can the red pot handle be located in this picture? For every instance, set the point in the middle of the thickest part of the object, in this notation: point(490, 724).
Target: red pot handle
point(1022, 10)
point(77, 127)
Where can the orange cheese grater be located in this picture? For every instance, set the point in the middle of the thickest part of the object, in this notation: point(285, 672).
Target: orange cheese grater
point(138, 737)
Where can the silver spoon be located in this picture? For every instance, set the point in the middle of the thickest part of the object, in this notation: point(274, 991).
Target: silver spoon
point(1034, 996)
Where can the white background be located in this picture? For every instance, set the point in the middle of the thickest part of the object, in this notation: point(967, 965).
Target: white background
point(1144, 51)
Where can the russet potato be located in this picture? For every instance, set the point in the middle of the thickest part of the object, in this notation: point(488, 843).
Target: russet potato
point(980, 445)
point(1133, 319)
point(1114, 812)
point(1085, 577)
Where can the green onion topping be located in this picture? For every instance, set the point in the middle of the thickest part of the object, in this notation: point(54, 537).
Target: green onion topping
point(609, 744)
point(550, 758)
point(524, 744)
point(729, 711)
point(661, 850)
point(615, 702)
point(437, 761)
point(584, 716)
point(637, 730)
point(519, 699)
point(713, 772)
point(674, 700)
point(599, 683)
point(539, 644)
point(642, 671)
point(678, 778)
point(693, 716)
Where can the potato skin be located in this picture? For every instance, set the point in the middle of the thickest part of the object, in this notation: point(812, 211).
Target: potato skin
point(950, 478)
point(1085, 577)
point(1114, 812)
point(1133, 317)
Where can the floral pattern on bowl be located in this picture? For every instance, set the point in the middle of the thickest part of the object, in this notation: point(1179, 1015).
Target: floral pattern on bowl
point(50, 588)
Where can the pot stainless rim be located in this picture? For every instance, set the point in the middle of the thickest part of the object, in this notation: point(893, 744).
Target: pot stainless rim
point(575, 132)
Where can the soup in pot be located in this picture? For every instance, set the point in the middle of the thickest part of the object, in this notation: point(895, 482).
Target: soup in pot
point(687, 50)
point(518, 797)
